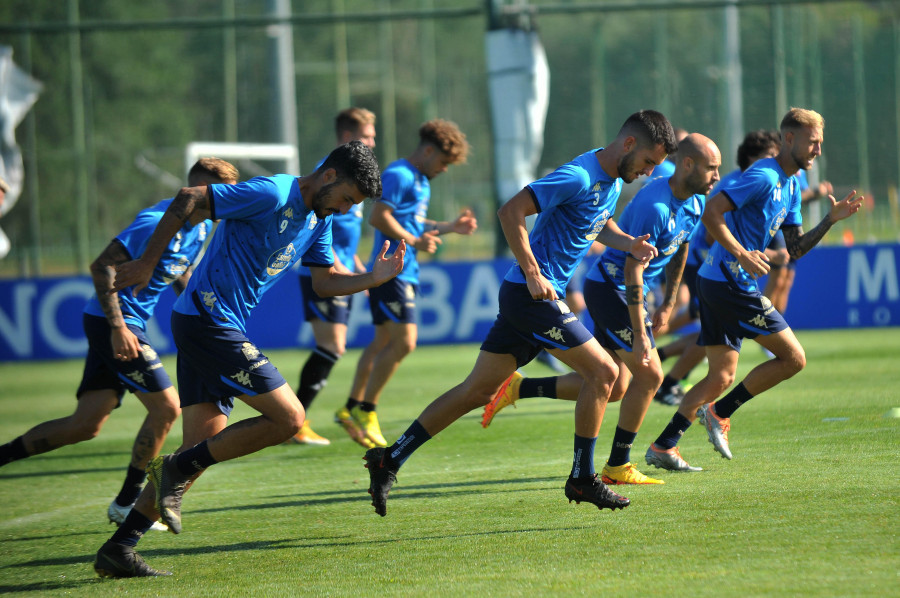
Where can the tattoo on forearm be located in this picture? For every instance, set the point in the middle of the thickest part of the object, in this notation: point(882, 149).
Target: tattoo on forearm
point(799, 243)
point(103, 274)
point(674, 270)
point(634, 294)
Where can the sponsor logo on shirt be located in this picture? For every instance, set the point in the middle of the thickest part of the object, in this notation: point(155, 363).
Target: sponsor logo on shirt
point(280, 260)
point(598, 225)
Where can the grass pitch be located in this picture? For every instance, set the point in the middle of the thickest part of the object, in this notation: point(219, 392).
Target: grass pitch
point(808, 506)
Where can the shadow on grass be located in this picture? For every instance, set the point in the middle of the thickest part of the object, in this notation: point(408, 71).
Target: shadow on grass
point(46, 586)
point(406, 492)
point(58, 472)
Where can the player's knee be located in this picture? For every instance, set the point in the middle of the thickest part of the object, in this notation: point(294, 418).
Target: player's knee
point(85, 430)
point(796, 361)
point(165, 412)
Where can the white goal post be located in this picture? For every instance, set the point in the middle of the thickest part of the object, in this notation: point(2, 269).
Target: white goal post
point(283, 152)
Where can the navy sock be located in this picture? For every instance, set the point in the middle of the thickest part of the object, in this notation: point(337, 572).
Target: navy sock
point(662, 353)
point(538, 387)
point(366, 406)
point(134, 481)
point(13, 451)
point(414, 437)
point(197, 458)
point(314, 375)
point(728, 404)
point(621, 447)
point(132, 529)
point(583, 463)
point(673, 432)
point(351, 403)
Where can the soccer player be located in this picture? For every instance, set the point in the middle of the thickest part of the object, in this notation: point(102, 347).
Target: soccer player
point(120, 356)
point(328, 316)
point(742, 219)
point(400, 216)
point(756, 145)
point(574, 205)
point(669, 210)
point(268, 223)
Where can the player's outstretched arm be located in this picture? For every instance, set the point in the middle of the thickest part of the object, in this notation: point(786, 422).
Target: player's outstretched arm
point(191, 202)
point(329, 282)
point(464, 224)
point(799, 243)
point(613, 236)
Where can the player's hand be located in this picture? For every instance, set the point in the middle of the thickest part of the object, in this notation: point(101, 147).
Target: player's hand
point(643, 251)
point(465, 223)
point(125, 344)
point(755, 263)
point(428, 242)
point(661, 318)
point(846, 207)
point(641, 347)
point(540, 288)
point(134, 273)
point(385, 268)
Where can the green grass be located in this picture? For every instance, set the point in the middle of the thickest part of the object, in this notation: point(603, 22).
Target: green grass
point(808, 506)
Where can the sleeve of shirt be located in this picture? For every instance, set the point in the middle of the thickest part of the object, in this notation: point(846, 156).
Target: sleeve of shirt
point(395, 184)
point(250, 200)
point(753, 185)
point(319, 253)
point(135, 237)
point(560, 186)
point(794, 216)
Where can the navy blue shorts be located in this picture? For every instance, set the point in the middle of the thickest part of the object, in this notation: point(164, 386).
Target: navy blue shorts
point(102, 371)
point(689, 278)
point(612, 322)
point(334, 310)
point(393, 301)
point(729, 314)
point(524, 326)
point(217, 364)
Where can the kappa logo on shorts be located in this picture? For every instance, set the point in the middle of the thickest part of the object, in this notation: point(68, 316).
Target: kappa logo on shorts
point(555, 333)
point(148, 353)
point(395, 307)
point(759, 321)
point(209, 299)
point(249, 351)
point(322, 306)
point(625, 335)
point(242, 378)
point(138, 378)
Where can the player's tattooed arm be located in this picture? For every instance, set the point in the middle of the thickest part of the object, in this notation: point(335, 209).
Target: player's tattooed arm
point(799, 243)
point(180, 283)
point(634, 294)
point(103, 273)
point(674, 270)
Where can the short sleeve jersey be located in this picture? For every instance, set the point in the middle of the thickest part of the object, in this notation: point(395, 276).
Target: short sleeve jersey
point(346, 230)
point(765, 199)
point(574, 202)
point(699, 247)
point(669, 221)
point(181, 253)
point(265, 228)
point(661, 171)
point(407, 192)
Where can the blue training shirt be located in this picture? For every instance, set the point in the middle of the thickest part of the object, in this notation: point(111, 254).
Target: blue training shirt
point(699, 247)
point(765, 199)
point(408, 192)
point(265, 227)
point(661, 171)
point(669, 221)
point(574, 203)
point(179, 255)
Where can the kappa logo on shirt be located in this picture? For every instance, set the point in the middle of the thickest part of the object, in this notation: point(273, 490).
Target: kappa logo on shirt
point(611, 268)
point(734, 266)
point(138, 378)
point(555, 333)
point(242, 378)
point(209, 298)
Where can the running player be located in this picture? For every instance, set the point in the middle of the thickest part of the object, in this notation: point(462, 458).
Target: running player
point(328, 316)
point(669, 210)
point(574, 205)
point(120, 356)
point(268, 223)
point(742, 219)
point(400, 215)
